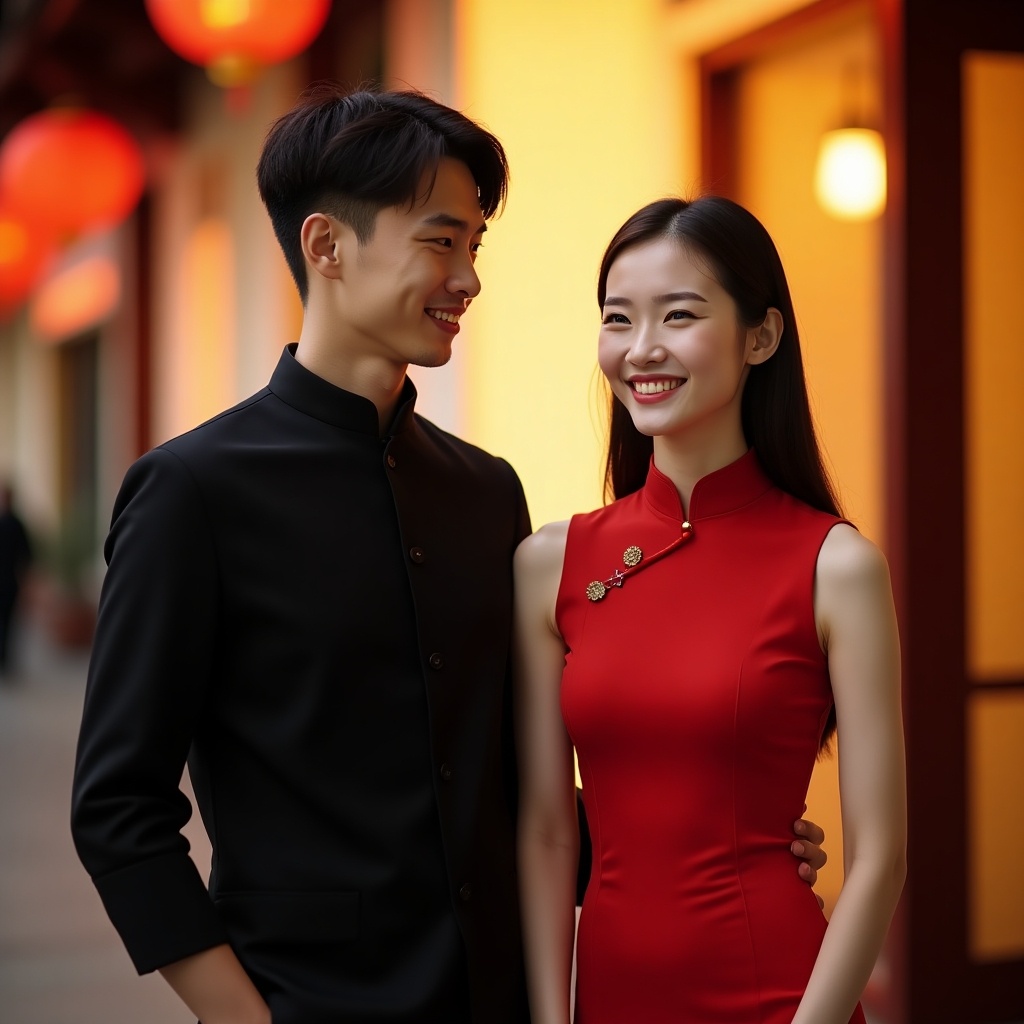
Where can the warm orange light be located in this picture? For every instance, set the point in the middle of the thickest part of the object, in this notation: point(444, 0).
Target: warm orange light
point(25, 251)
point(233, 39)
point(71, 170)
point(850, 176)
point(75, 299)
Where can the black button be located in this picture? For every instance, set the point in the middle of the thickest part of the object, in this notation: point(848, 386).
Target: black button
point(446, 772)
point(436, 661)
point(390, 460)
point(466, 893)
point(417, 555)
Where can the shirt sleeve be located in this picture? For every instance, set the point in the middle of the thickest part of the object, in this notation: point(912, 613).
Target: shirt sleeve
point(149, 676)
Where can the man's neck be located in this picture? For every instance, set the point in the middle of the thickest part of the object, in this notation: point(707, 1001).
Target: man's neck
point(376, 379)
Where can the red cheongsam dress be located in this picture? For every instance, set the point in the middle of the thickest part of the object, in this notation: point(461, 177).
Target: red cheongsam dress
point(695, 692)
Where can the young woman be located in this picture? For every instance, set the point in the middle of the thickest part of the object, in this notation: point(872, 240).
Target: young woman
point(696, 640)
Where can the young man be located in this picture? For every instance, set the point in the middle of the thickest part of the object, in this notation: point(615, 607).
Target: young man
point(309, 596)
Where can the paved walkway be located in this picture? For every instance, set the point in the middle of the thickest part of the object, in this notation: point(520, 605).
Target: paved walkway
point(60, 960)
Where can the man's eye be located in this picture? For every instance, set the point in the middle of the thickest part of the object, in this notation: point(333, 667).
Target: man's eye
point(446, 242)
point(476, 246)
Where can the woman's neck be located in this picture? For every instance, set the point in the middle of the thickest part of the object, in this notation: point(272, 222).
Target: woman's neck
point(685, 459)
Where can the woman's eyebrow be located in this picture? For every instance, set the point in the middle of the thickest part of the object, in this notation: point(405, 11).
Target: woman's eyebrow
point(615, 300)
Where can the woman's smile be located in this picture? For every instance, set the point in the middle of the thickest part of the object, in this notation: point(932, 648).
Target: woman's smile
point(647, 390)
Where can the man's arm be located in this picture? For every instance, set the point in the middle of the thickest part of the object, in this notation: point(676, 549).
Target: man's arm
point(215, 987)
point(148, 683)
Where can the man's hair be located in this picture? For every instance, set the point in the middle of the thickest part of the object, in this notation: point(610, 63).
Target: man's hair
point(351, 155)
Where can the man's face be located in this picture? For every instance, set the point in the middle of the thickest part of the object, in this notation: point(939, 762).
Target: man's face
point(405, 289)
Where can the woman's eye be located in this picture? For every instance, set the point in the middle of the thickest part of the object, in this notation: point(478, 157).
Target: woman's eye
point(680, 314)
point(614, 318)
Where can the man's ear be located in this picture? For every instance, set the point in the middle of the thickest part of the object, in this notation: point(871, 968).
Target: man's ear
point(767, 336)
point(321, 238)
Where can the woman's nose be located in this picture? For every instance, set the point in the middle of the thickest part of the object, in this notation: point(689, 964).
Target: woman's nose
point(646, 347)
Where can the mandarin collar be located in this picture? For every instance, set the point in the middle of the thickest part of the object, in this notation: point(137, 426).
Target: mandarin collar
point(302, 389)
point(723, 491)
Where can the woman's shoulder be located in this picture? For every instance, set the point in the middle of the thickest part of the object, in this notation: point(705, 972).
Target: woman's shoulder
point(846, 554)
point(542, 547)
point(537, 571)
point(851, 572)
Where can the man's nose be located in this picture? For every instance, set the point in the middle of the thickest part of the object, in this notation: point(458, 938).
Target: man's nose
point(465, 280)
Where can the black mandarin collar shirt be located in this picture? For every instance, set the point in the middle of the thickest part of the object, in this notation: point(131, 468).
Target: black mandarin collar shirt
point(309, 393)
point(321, 615)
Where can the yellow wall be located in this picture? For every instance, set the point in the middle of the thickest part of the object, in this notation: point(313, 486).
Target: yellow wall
point(585, 97)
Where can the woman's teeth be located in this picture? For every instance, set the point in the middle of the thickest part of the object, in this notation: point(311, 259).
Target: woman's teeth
point(654, 387)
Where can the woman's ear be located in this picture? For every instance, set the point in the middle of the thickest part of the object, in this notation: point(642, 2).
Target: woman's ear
point(767, 336)
point(320, 238)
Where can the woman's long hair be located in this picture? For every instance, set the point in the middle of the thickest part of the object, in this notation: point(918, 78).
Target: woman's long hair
point(776, 413)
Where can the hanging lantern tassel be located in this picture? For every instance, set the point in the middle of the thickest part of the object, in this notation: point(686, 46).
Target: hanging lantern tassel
point(71, 170)
point(235, 39)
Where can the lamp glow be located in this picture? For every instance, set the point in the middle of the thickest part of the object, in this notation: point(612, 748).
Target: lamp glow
point(849, 180)
point(75, 299)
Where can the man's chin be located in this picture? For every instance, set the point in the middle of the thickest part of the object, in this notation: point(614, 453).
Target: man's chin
point(435, 357)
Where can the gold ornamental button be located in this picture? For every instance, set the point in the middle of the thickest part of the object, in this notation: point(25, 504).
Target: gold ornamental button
point(632, 555)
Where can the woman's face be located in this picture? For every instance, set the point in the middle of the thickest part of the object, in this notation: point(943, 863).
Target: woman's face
point(671, 344)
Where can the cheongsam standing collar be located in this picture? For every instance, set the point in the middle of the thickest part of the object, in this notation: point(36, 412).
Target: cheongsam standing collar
point(723, 491)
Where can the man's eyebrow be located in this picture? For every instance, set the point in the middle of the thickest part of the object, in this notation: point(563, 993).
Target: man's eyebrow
point(446, 220)
point(616, 300)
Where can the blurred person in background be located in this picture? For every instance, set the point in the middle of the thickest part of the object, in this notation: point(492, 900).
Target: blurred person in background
point(15, 558)
point(310, 598)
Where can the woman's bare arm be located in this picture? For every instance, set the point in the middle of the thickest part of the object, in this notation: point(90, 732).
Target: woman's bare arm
point(548, 829)
point(857, 623)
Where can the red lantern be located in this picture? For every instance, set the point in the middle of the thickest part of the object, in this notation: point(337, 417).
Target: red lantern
point(25, 252)
point(233, 39)
point(71, 169)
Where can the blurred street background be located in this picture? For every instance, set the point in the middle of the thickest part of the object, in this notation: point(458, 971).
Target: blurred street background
point(60, 960)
